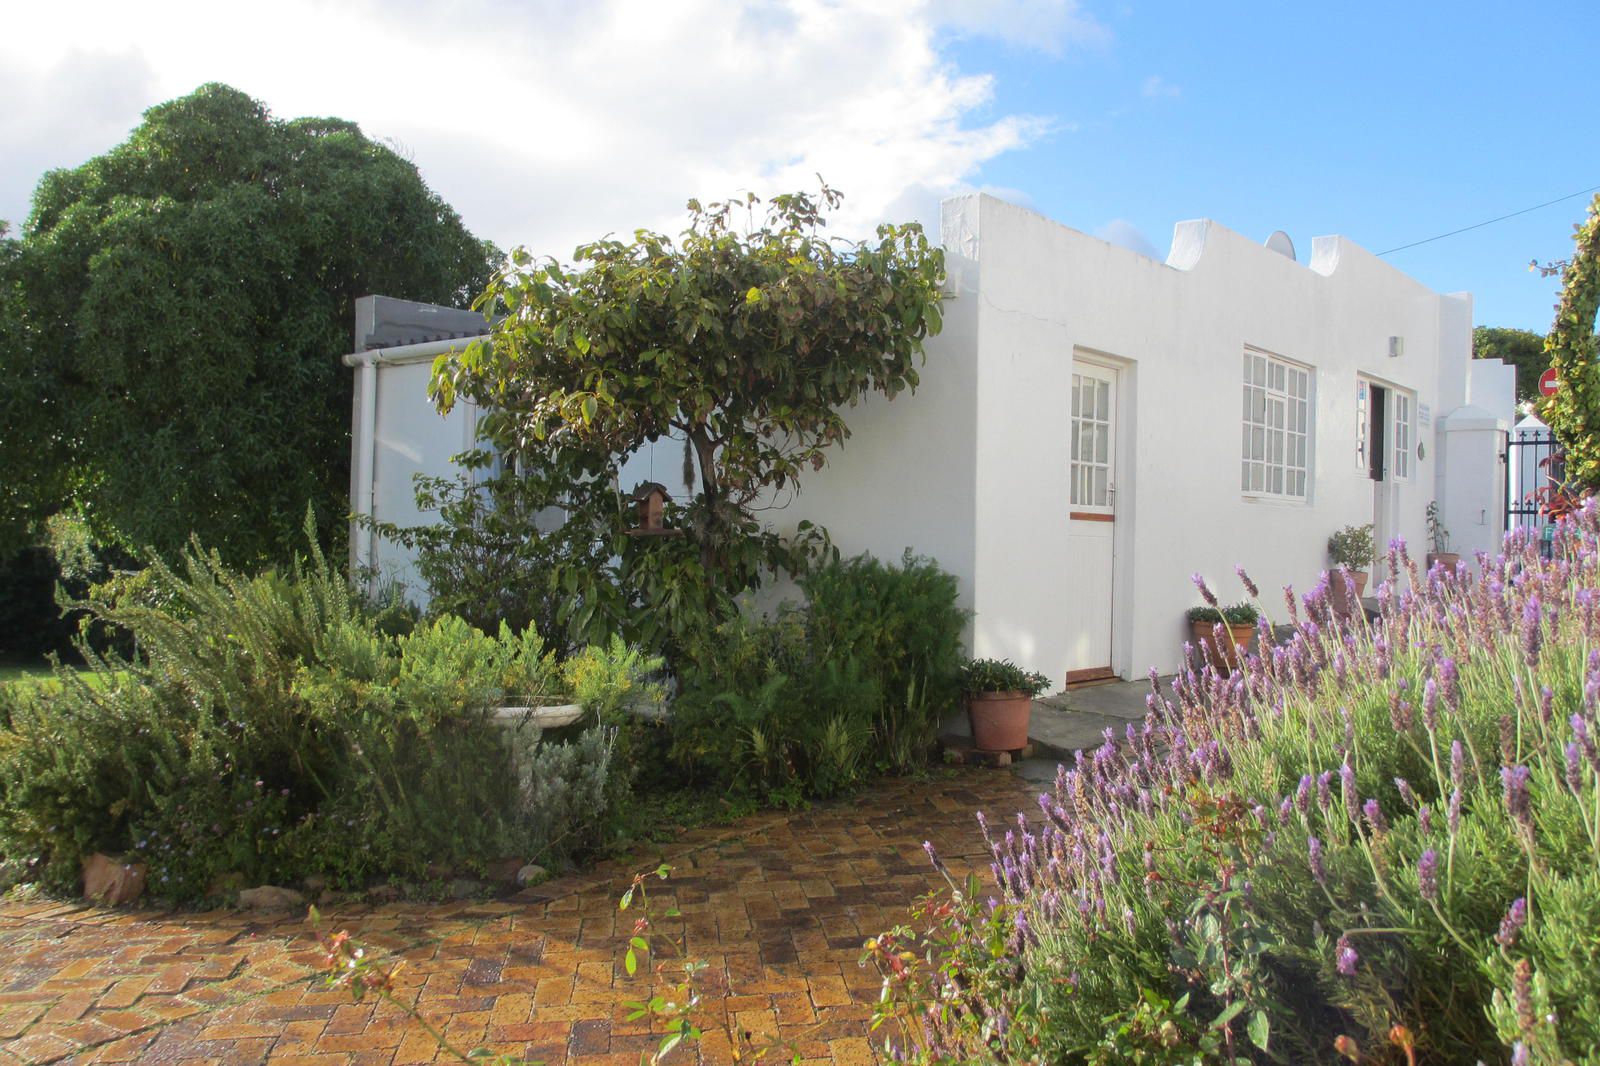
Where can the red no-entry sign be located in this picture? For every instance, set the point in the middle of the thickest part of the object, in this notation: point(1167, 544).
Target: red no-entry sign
point(1547, 382)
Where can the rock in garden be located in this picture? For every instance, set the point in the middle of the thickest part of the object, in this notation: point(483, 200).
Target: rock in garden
point(108, 880)
point(270, 897)
point(532, 874)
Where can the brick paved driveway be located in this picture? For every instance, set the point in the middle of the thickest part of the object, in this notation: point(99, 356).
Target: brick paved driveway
point(777, 905)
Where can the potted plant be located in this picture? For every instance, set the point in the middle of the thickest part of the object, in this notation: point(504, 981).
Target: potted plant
point(1350, 549)
point(1240, 620)
point(1440, 536)
point(999, 702)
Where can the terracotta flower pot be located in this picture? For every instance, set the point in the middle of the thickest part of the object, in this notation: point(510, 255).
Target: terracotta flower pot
point(1448, 560)
point(1222, 660)
point(999, 719)
point(1338, 595)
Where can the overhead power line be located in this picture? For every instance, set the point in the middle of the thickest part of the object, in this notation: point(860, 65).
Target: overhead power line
point(1492, 221)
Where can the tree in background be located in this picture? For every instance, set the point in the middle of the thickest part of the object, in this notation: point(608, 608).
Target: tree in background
point(1574, 411)
point(745, 342)
point(1522, 348)
point(182, 304)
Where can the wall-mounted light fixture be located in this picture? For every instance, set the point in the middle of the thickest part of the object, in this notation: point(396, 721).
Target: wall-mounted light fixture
point(1397, 347)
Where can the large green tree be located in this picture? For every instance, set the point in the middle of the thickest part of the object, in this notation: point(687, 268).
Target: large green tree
point(1522, 348)
point(187, 298)
point(1574, 411)
point(746, 338)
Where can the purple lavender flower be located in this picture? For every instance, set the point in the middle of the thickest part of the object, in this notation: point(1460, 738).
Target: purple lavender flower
point(1449, 683)
point(1286, 807)
point(1514, 787)
point(933, 855)
point(1324, 789)
point(1345, 957)
point(1428, 875)
point(1532, 630)
point(1302, 794)
point(1453, 814)
point(1430, 704)
point(1399, 713)
point(1457, 763)
point(1249, 586)
point(1374, 816)
point(1574, 767)
point(1352, 798)
point(1408, 796)
point(1547, 705)
point(1425, 820)
point(1511, 925)
point(1520, 1056)
point(1318, 869)
point(1205, 592)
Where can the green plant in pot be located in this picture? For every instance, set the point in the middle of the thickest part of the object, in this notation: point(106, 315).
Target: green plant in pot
point(1240, 622)
point(1350, 549)
point(1439, 536)
point(1000, 702)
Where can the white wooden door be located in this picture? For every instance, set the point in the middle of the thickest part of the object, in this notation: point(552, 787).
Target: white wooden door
point(1092, 495)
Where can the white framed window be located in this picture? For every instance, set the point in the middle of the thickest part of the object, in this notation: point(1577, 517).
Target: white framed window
point(1092, 440)
point(1276, 439)
point(1363, 403)
point(1403, 434)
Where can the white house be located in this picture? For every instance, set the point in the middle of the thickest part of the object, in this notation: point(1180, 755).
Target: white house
point(1094, 426)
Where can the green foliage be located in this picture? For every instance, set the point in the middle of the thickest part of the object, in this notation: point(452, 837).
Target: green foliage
point(184, 301)
point(1001, 675)
point(746, 345)
point(63, 565)
point(807, 702)
point(1573, 413)
point(1243, 613)
point(1351, 547)
point(1438, 535)
point(269, 729)
point(1522, 348)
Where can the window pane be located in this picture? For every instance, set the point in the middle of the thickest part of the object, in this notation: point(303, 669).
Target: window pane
point(1256, 479)
point(1100, 493)
point(1075, 383)
point(1103, 401)
point(1102, 443)
point(1244, 477)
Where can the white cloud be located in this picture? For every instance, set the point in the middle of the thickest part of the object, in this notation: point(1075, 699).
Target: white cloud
point(1156, 87)
point(1125, 234)
point(548, 124)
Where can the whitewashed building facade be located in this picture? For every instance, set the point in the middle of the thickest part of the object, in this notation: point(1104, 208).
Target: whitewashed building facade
point(1094, 426)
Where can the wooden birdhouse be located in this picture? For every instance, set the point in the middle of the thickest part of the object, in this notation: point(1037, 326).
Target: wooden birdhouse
point(651, 498)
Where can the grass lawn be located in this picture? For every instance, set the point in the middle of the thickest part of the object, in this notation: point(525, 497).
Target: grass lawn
point(35, 674)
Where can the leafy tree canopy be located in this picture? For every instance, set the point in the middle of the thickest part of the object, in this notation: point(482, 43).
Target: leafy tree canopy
point(1522, 348)
point(187, 298)
point(744, 341)
point(1574, 411)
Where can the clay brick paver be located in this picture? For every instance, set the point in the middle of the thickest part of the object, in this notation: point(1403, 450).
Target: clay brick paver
point(777, 906)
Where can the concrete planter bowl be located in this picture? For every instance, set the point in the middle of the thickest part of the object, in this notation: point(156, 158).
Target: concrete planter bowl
point(999, 719)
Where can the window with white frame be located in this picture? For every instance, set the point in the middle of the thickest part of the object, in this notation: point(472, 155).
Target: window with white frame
point(1277, 427)
point(1402, 434)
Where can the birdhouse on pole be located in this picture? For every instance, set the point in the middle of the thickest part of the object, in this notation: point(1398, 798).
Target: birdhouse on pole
point(651, 498)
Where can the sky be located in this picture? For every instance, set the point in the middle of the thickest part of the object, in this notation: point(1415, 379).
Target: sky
point(547, 124)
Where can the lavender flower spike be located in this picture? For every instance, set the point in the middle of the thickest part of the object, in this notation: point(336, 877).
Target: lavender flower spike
point(1511, 925)
point(1428, 875)
point(1514, 786)
point(1345, 957)
point(1205, 592)
point(1318, 869)
point(1249, 586)
point(933, 855)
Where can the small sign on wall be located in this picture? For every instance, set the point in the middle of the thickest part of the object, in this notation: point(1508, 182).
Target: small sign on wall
point(1425, 415)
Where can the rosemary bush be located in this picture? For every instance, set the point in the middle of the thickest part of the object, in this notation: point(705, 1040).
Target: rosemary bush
point(1371, 843)
point(271, 728)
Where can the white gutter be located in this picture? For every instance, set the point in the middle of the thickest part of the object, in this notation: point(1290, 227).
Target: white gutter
point(409, 353)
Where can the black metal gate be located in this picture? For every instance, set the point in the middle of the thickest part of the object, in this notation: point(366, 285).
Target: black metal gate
point(1535, 477)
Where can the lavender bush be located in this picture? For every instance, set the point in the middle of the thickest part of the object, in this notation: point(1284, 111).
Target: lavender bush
point(1374, 842)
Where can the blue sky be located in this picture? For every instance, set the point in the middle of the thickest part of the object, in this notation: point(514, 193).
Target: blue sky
point(547, 123)
point(1387, 123)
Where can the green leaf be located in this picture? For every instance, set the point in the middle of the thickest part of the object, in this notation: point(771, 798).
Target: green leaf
point(630, 962)
point(753, 296)
point(588, 408)
point(1260, 1029)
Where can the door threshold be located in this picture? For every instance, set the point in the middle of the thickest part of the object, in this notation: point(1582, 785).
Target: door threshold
point(1101, 675)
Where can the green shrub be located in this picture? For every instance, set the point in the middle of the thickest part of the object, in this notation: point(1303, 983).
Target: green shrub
point(805, 703)
point(268, 729)
point(1243, 613)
